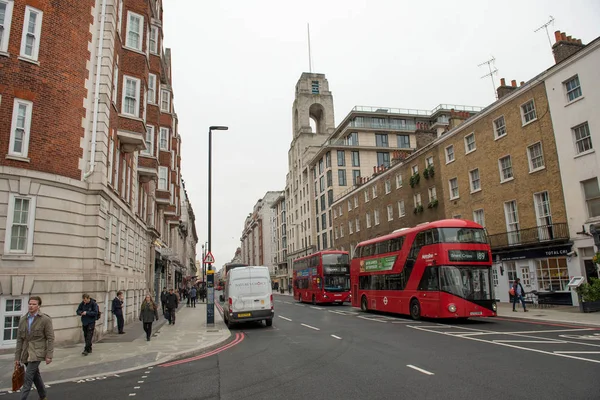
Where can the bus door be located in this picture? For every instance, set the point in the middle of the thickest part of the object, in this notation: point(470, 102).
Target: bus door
point(428, 294)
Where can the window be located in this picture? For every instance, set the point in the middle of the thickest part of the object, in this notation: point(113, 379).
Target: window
point(135, 32)
point(341, 156)
point(349, 205)
point(329, 178)
point(120, 16)
point(388, 186)
point(315, 90)
point(6, 7)
point(368, 216)
point(342, 177)
point(474, 180)
point(366, 195)
point(19, 225)
point(543, 215)
point(352, 139)
point(164, 139)
point(470, 143)
point(115, 92)
point(583, 140)
point(355, 159)
point(376, 216)
point(415, 169)
point(536, 157)
point(505, 166)
point(401, 211)
point(355, 201)
point(328, 159)
point(417, 200)
point(131, 96)
point(107, 237)
point(154, 39)
point(32, 29)
point(453, 188)
point(13, 309)
point(350, 229)
point(403, 141)
point(165, 101)
point(429, 162)
point(512, 222)
point(495, 276)
point(528, 112)
point(573, 88)
point(163, 178)
point(432, 194)
point(499, 127)
point(478, 217)
point(357, 224)
point(383, 159)
point(355, 176)
point(592, 196)
point(381, 140)
point(390, 212)
point(398, 181)
point(21, 128)
point(152, 89)
point(511, 271)
point(149, 141)
point(374, 191)
point(449, 154)
point(336, 233)
point(553, 274)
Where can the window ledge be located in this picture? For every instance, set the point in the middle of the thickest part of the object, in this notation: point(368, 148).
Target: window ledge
point(529, 122)
point(533, 171)
point(151, 156)
point(470, 151)
point(29, 60)
point(499, 137)
point(18, 257)
point(507, 180)
point(569, 103)
point(134, 50)
point(451, 161)
point(133, 117)
point(585, 153)
point(476, 191)
point(17, 158)
point(4, 54)
point(454, 198)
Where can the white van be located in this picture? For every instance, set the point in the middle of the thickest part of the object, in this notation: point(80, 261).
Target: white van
point(248, 296)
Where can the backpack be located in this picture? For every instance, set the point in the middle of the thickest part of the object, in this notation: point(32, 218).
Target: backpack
point(99, 313)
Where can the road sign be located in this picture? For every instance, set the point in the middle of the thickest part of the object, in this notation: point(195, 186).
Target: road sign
point(209, 259)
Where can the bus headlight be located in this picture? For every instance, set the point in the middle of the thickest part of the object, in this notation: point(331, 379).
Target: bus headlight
point(452, 308)
point(494, 307)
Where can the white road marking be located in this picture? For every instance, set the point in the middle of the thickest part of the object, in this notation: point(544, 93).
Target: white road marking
point(145, 376)
point(511, 345)
point(405, 322)
point(298, 304)
point(337, 337)
point(372, 319)
point(531, 341)
point(131, 394)
point(577, 352)
point(278, 301)
point(287, 319)
point(287, 302)
point(136, 387)
point(420, 370)
point(317, 308)
point(311, 327)
point(437, 326)
point(140, 381)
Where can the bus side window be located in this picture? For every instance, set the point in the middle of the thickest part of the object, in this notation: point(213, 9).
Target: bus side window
point(430, 279)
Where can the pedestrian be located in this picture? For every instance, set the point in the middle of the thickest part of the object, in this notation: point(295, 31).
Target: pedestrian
point(117, 310)
point(193, 294)
point(517, 292)
point(172, 304)
point(163, 299)
point(148, 313)
point(88, 310)
point(35, 343)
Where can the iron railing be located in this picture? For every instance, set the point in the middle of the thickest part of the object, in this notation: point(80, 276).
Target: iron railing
point(539, 234)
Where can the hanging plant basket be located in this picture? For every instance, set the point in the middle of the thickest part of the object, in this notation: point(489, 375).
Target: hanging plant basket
point(596, 258)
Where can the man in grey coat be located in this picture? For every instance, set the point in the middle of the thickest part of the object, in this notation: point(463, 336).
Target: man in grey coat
point(35, 343)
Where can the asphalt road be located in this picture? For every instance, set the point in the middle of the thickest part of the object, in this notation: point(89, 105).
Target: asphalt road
point(337, 352)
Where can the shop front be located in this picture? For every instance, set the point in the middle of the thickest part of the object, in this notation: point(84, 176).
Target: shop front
point(542, 269)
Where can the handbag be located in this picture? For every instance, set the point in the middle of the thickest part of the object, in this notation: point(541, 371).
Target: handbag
point(18, 377)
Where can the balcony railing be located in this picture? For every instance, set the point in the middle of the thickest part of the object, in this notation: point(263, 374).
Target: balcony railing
point(408, 111)
point(395, 125)
point(540, 234)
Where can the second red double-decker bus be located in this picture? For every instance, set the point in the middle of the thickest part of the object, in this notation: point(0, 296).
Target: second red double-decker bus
point(322, 277)
point(439, 269)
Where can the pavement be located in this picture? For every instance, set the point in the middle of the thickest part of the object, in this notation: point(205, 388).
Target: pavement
point(116, 354)
point(339, 352)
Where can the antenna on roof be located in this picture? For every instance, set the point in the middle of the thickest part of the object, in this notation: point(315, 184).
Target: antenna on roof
point(309, 52)
point(545, 26)
point(491, 74)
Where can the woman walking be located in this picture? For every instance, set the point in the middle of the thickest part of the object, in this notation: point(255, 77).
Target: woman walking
point(148, 313)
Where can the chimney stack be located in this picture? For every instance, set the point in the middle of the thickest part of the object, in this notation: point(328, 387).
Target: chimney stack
point(565, 46)
point(503, 89)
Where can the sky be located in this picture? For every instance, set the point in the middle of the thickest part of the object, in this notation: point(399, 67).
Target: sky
point(236, 63)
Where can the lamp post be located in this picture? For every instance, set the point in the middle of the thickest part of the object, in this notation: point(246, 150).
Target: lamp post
point(210, 277)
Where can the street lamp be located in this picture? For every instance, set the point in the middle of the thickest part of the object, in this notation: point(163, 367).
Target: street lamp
point(210, 278)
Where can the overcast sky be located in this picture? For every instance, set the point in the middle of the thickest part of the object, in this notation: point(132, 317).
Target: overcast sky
point(236, 63)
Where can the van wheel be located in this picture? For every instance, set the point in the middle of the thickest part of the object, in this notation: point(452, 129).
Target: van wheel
point(269, 322)
point(314, 300)
point(415, 309)
point(363, 304)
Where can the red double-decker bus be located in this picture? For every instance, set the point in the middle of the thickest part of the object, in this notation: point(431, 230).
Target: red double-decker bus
point(439, 269)
point(322, 277)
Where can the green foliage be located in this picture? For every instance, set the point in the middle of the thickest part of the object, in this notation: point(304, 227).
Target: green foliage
point(590, 291)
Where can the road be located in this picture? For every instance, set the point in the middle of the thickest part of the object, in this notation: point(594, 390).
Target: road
point(338, 352)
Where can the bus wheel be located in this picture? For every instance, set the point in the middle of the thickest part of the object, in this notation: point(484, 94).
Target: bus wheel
point(363, 304)
point(314, 300)
point(415, 309)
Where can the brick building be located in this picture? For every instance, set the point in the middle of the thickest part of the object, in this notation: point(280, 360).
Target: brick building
point(90, 168)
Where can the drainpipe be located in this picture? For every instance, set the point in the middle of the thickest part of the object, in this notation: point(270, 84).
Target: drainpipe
point(97, 94)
